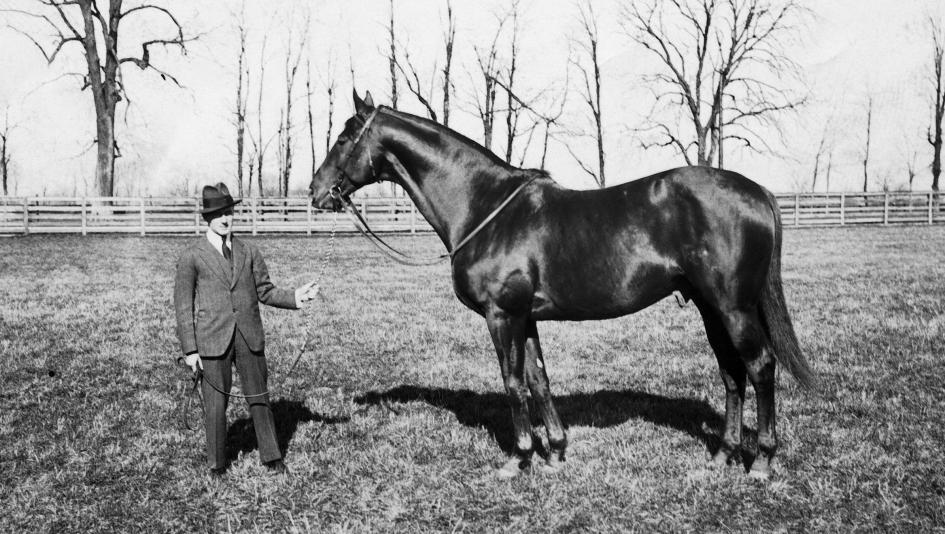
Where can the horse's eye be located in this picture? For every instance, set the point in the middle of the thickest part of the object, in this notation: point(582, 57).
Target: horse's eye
point(342, 140)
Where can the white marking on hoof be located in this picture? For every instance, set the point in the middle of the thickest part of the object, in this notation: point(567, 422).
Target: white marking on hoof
point(552, 466)
point(511, 469)
point(757, 474)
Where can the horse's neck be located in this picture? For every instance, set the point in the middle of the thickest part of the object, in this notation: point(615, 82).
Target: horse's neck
point(450, 194)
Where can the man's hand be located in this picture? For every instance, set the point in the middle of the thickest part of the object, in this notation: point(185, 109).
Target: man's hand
point(306, 293)
point(193, 361)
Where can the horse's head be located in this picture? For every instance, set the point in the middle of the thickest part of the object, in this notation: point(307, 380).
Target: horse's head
point(350, 163)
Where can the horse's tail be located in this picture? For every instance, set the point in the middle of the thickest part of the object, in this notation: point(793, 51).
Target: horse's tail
point(775, 316)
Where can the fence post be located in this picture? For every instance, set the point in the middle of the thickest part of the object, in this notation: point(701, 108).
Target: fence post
point(886, 208)
point(26, 216)
point(413, 218)
point(142, 216)
point(85, 217)
point(253, 204)
point(930, 208)
point(196, 216)
point(308, 209)
point(797, 210)
point(843, 205)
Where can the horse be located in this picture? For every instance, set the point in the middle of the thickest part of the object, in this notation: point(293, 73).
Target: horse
point(526, 249)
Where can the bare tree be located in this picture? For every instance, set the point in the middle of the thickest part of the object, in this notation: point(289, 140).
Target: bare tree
point(292, 62)
point(242, 94)
point(488, 62)
point(423, 87)
point(259, 144)
point(392, 58)
point(311, 120)
point(824, 147)
point(724, 72)
point(934, 134)
point(540, 116)
point(5, 155)
point(97, 33)
point(513, 110)
point(412, 78)
point(448, 39)
point(912, 163)
point(330, 89)
point(587, 62)
point(866, 151)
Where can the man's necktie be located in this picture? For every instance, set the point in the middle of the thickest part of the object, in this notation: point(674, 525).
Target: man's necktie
point(227, 253)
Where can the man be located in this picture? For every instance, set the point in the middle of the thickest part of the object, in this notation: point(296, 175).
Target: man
point(220, 281)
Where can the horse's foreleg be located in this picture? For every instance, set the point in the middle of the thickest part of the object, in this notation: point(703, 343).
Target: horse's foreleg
point(508, 336)
point(538, 384)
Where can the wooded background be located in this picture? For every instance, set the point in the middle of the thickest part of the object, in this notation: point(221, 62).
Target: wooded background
point(136, 98)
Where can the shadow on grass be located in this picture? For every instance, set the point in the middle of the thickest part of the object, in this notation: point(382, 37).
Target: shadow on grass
point(289, 414)
point(601, 409)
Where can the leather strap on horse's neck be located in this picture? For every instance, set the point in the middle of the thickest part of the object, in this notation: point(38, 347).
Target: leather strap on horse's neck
point(406, 259)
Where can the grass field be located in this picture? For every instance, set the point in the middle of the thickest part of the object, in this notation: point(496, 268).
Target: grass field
point(395, 422)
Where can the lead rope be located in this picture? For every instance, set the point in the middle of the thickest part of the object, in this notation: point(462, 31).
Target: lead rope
point(199, 376)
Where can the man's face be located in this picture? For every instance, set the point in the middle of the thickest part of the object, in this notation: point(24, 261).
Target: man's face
point(222, 222)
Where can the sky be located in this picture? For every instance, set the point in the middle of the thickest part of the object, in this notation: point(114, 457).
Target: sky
point(175, 139)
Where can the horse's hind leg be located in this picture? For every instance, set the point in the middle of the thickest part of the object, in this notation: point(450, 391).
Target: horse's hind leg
point(508, 336)
point(751, 342)
point(537, 379)
point(732, 370)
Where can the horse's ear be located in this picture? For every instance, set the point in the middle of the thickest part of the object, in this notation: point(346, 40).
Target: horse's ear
point(358, 103)
point(363, 107)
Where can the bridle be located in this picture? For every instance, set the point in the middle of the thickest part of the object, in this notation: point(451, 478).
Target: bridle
point(345, 185)
point(341, 190)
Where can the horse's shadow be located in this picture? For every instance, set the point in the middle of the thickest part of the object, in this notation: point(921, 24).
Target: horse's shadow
point(601, 409)
point(288, 415)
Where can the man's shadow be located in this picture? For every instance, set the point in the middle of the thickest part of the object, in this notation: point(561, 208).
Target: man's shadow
point(288, 414)
point(601, 409)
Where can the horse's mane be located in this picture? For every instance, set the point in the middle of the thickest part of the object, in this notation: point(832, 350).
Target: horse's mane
point(532, 174)
point(535, 174)
point(445, 131)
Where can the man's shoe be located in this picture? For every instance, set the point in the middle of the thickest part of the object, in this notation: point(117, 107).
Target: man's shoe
point(277, 466)
point(217, 472)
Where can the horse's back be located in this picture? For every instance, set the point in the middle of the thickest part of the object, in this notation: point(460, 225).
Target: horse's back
point(633, 244)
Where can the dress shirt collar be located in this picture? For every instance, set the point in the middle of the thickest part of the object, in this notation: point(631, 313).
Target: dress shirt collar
point(217, 241)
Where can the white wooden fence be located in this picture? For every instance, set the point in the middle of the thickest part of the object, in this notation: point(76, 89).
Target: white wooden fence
point(174, 215)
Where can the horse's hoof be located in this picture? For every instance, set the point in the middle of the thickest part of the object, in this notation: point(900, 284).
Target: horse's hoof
point(553, 465)
point(760, 474)
point(512, 468)
point(719, 460)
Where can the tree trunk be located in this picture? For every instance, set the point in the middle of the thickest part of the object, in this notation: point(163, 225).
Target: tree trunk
point(392, 60)
point(4, 154)
point(447, 82)
point(240, 112)
point(866, 154)
point(105, 162)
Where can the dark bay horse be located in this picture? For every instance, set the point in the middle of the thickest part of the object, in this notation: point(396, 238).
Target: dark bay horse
point(551, 253)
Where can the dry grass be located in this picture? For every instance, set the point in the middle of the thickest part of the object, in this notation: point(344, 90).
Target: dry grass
point(394, 422)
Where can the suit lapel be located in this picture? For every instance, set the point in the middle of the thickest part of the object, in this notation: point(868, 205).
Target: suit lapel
point(239, 260)
point(215, 260)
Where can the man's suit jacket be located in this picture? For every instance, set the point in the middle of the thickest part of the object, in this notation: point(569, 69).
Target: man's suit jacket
point(211, 300)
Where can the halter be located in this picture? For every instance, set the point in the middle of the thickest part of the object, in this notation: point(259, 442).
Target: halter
point(345, 186)
point(340, 191)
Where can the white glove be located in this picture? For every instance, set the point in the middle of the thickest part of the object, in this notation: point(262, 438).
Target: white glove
point(193, 361)
point(306, 293)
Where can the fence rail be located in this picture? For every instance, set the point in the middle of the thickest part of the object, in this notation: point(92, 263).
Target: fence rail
point(175, 215)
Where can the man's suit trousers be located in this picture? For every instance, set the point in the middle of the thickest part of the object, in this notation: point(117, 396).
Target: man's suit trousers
point(252, 370)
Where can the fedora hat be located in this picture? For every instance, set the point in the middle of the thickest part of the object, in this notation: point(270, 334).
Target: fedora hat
point(216, 198)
